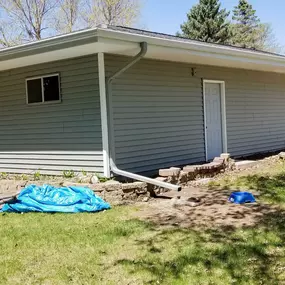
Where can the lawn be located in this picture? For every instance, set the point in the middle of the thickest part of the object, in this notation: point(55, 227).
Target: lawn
point(115, 247)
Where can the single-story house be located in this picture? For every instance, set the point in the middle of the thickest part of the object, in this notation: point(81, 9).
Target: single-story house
point(138, 99)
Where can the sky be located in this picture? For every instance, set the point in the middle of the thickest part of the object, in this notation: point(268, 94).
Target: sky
point(166, 15)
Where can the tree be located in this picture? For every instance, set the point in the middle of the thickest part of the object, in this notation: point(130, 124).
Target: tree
point(207, 22)
point(267, 40)
point(68, 16)
point(28, 20)
point(249, 32)
point(8, 33)
point(246, 26)
point(111, 12)
point(30, 16)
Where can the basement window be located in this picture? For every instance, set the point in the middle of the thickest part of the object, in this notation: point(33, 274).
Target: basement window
point(43, 89)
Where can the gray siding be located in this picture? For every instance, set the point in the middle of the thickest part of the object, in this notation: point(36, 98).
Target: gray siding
point(255, 104)
point(158, 112)
point(157, 115)
point(52, 137)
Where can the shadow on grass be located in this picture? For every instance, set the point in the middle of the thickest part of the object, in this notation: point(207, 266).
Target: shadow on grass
point(251, 255)
point(271, 187)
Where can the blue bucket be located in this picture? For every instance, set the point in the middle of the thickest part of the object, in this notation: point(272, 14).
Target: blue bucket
point(242, 197)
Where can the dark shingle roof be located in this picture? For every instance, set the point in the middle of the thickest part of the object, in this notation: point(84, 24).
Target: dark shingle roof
point(172, 37)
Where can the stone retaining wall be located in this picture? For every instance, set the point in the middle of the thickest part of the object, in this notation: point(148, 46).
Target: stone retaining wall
point(116, 192)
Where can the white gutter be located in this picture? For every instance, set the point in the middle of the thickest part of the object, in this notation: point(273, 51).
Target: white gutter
point(57, 41)
point(178, 43)
point(113, 166)
point(201, 47)
point(99, 34)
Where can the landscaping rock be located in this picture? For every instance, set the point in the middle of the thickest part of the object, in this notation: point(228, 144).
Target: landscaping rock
point(130, 196)
point(245, 164)
point(183, 177)
point(210, 166)
point(282, 155)
point(81, 178)
point(190, 168)
point(145, 199)
point(225, 156)
point(99, 187)
point(219, 160)
point(173, 171)
point(94, 179)
point(112, 185)
point(161, 179)
point(138, 187)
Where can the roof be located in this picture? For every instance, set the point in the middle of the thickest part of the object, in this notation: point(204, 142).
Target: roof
point(126, 41)
point(168, 36)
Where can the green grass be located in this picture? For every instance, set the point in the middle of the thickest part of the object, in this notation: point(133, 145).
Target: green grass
point(114, 248)
point(107, 248)
point(268, 180)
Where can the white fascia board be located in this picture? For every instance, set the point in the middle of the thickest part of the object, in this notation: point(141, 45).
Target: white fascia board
point(119, 42)
point(198, 48)
point(47, 44)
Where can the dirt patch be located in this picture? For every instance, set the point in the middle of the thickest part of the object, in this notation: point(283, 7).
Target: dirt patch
point(202, 208)
point(264, 166)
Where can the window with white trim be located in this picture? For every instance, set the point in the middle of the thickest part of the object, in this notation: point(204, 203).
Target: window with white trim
point(43, 89)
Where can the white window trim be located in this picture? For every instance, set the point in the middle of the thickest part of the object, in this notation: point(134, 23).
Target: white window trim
point(223, 114)
point(42, 86)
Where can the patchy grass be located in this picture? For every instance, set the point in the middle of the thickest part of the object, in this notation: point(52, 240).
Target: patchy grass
point(114, 248)
point(268, 179)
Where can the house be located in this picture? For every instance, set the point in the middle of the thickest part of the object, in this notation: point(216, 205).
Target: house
point(137, 99)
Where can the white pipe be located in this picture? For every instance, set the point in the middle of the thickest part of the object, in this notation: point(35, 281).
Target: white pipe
point(124, 173)
point(113, 166)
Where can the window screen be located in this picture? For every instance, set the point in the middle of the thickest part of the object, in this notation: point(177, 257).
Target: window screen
point(51, 88)
point(43, 89)
point(34, 88)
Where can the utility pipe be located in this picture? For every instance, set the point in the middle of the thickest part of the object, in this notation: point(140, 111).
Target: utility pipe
point(113, 166)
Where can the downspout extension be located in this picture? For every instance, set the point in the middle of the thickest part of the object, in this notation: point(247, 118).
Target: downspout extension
point(113, 166)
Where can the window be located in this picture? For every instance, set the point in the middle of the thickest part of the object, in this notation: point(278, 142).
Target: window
point(43, 89)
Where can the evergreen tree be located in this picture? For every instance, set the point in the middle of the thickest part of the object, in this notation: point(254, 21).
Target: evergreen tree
point(246, 27)
point(207, 22)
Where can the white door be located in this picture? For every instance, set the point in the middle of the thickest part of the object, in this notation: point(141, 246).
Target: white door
point(213, 120)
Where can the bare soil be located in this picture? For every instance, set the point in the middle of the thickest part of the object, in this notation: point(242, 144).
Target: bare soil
point(194, 206)
point(212, 207)
point(198, 207)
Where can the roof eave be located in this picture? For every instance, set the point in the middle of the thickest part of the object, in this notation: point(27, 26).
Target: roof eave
point(192, 46)
point(50, 44)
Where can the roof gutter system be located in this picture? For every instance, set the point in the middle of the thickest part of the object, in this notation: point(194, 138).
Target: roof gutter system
point(113, 166)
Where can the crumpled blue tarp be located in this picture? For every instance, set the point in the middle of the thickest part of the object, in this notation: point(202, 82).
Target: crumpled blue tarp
point(242, 198)
point(50, 199)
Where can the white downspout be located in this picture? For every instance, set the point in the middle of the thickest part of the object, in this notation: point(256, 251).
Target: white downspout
point(104, 115)
point(113, 166)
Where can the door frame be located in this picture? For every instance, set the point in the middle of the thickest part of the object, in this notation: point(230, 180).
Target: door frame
point(223, 115)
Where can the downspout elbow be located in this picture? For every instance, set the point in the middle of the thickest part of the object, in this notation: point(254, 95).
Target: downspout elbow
point(144, 47)
point(138, 57)
point(114, 168)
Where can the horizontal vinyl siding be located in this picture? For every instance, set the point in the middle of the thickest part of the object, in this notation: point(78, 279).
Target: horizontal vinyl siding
point(51, 138)
point(255, 108)
point(158, 112)
point(157, 115)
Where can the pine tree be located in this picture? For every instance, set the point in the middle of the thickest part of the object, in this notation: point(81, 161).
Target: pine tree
point(246, 26)
point(207, 22)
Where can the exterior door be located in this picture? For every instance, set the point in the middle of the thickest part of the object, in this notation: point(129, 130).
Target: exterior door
point(213, 120)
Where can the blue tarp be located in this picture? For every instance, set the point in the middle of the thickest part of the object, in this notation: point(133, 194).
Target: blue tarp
point(241, 198)
point(50, 199)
